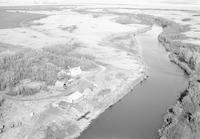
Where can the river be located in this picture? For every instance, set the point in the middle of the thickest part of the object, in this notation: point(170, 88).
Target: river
point(140, 114)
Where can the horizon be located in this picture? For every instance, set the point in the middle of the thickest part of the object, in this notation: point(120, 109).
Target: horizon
point(60, 2)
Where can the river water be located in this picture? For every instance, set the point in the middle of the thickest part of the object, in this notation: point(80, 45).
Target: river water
point(140, 114)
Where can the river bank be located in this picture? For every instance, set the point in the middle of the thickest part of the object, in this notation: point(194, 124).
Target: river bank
point(183, 52)
point(140, 113)
point(182, 119)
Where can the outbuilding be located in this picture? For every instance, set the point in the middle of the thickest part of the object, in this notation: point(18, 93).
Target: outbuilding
point(75, 71)
point(59, 85)
point(75, 97)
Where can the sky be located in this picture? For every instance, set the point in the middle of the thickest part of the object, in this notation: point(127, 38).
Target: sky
point(30, 2)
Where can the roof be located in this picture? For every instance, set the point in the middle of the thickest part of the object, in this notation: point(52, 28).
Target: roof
point(59, 84)
point(75, 71)
point(74, 97)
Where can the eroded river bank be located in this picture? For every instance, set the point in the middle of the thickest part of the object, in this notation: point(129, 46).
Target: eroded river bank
point(139, 115)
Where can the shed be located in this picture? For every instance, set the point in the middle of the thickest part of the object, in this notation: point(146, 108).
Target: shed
point(75, 97)
point(75, 71)
point(59, 85)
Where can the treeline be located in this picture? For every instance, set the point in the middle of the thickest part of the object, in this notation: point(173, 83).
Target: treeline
point(38, 65)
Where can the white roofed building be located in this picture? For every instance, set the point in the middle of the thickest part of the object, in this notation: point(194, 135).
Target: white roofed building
point(75, 97)
point(59, 85)
point(75, 71)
